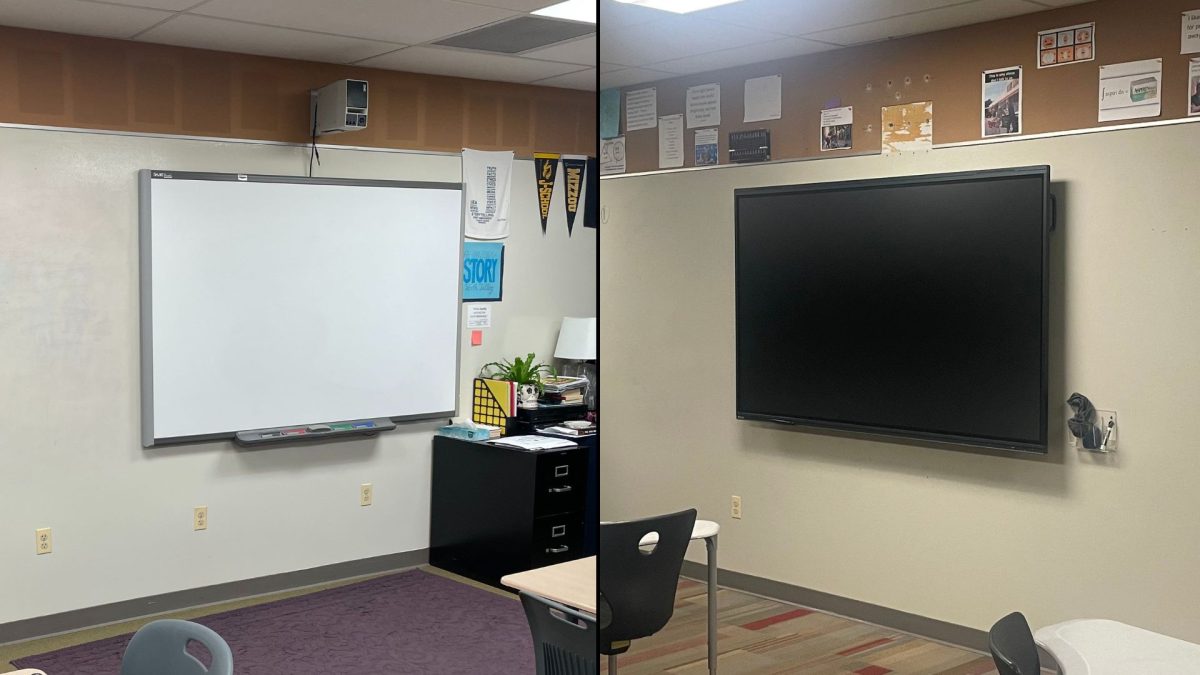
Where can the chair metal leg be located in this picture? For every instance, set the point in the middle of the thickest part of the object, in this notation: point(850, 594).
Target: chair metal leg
point(612, 664)
point(711, 545)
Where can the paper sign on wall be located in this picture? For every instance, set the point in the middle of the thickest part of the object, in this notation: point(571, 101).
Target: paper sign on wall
point(836, 127)
point(706, 147)
point(1001, 111)
point(641, 109)
point(612, 156)
point(1189, 39)
point(610, 113)
point(1069, 44)
point(670, 141)
point(483, 270)
point(1193, 92)
point(762, 98)
point(1131, 90)
point(704, 106)
point(479, 316)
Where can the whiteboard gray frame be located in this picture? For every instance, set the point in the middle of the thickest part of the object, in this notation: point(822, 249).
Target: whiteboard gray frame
point(146, 178)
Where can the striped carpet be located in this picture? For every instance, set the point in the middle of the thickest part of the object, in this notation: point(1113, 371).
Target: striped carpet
point(757, 635)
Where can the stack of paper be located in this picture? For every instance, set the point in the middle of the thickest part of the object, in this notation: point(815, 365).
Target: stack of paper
point(535, 443)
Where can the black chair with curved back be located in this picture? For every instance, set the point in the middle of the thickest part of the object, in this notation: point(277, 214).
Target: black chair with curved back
point(1012, 646)
point(564, 639)
point(636, 585)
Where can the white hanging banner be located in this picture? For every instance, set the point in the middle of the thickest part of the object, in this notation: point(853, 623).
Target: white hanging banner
point(487, 179)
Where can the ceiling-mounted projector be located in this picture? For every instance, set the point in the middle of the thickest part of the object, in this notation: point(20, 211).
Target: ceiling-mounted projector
point(339, 106)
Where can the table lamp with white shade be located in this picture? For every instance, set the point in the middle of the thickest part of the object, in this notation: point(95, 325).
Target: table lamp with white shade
point(577, 346)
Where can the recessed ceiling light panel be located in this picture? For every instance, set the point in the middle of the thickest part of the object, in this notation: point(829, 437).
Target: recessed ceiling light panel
point(679, 6)
point(571, 10)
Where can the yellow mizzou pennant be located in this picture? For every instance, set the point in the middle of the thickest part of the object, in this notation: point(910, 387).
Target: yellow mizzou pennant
point(545, 167)
point(574, 167)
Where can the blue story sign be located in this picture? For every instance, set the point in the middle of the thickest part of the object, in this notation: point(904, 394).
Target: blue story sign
point(483, 270)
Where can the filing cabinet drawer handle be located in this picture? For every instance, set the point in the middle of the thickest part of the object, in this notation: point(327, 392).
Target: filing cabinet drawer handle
point(558, 549)
point(556, 490)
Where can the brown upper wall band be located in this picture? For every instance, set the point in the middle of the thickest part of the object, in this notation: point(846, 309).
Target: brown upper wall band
point(54, 79)
point(1055, 99)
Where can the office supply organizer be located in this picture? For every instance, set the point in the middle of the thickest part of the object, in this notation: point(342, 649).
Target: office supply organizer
point(493, 402)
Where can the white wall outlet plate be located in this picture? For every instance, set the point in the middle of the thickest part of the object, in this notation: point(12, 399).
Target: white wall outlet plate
point(200, 518)
point(44, 541)
point(366, 493)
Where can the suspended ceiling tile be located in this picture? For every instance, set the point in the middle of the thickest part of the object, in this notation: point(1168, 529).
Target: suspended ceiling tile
point(169, 5)
point(620, 15)
point(581, 51)
point(403, 21)
point(673, 38)
point(514, 5)
point(630, 76)
point(519, 34)
point(739, 56)
point(461, 63)
point(232, 36)
point(924, 22)
point(584, 79)
point(74, 16)
point(798, 18)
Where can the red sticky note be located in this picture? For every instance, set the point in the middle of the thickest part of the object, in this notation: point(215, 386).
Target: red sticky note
point(476, 338)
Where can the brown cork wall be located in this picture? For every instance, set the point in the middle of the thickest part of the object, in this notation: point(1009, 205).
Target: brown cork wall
point(944, 67)
point(62, 80)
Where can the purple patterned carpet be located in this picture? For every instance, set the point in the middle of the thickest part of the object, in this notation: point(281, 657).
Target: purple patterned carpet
point(411, 622)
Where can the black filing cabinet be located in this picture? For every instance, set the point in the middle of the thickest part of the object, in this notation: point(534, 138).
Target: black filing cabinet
point(497, 510)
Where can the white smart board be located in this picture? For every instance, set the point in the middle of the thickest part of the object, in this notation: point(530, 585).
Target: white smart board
point(272, 301)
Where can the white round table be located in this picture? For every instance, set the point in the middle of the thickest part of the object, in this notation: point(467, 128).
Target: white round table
point(708, 531)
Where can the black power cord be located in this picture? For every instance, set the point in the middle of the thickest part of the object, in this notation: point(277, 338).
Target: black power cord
point(314, 153)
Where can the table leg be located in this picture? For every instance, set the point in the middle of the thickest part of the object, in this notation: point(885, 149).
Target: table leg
point(711, 544)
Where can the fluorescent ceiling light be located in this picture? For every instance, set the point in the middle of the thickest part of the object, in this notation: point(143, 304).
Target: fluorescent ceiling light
point(572, 10)
point(679, 6)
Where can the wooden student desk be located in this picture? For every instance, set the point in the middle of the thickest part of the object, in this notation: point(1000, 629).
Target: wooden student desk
point(572, 583)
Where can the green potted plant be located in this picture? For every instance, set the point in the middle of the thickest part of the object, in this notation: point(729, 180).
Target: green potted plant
point(525, 372)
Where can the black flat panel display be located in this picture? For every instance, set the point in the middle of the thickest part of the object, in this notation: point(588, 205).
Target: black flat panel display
point(912, 306)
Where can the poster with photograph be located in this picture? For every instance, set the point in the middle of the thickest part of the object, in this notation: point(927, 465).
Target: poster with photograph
point(1001, 114)
point(1193, 92)
point(836, 127)
point(1069, 44)
point(706, 147)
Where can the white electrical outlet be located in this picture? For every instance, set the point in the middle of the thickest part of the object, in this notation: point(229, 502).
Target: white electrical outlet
point(44, 540)
point(735, 506)
point(200, 518)
point(365, 494)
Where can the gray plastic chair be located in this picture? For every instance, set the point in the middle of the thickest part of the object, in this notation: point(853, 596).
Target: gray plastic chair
point(160, 648)
point(636, 587)
point(564, 639)
point(1013, 649)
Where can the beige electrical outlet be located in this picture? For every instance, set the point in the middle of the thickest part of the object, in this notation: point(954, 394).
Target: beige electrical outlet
point(200, 518)
point(365, 494)
point(735, 506)
point(44, 540)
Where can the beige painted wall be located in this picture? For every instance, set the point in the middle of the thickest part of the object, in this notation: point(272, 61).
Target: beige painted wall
point(951, 534)
point(70, 451)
